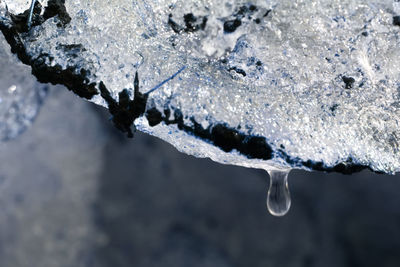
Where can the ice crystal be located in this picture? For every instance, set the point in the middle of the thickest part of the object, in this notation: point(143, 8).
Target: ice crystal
point(316, 82)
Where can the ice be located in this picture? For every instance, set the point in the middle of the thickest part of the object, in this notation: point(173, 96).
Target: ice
point(312, 84)
point(20, 95)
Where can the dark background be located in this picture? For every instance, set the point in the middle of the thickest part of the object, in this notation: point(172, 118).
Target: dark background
point(75, 192)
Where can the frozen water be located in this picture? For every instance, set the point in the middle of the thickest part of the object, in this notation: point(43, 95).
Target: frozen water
point(20, 94)
point(308, 84)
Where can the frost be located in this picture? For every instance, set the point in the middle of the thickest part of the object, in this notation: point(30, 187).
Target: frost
point(309, 84)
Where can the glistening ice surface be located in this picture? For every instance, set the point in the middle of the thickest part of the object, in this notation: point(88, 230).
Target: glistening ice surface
point(319, 80)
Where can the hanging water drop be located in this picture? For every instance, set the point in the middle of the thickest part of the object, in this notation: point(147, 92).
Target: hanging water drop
point(278, 200)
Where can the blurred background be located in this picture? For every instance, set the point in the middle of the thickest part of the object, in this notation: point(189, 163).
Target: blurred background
point(75, 192)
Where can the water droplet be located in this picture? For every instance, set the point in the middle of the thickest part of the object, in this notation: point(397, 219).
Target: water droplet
point(278, 200)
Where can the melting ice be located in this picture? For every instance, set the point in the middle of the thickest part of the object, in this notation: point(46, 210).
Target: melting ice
point(285, 84)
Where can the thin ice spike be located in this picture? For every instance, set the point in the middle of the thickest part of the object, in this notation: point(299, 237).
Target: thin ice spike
point(167, 80)
point(31, 13)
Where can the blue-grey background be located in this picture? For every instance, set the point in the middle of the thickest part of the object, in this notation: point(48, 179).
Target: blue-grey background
point(75, 192)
